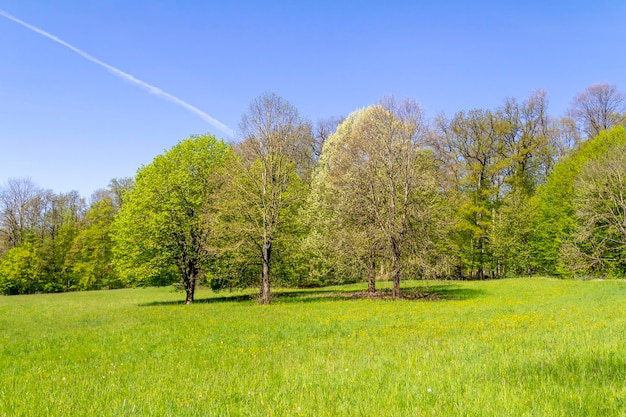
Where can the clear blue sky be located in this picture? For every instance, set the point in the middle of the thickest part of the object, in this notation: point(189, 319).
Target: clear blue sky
point(70, 124)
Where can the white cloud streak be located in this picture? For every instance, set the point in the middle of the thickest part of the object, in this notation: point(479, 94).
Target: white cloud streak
point(125, 76)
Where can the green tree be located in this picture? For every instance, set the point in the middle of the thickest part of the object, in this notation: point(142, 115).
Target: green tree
point(160, 230)
point(89, 263)
point(471, 146)
point(62, 220)
point(21, 271)
point(527, 156)
point(48, 223)
point(90, 260)
point(497, 159)
point(555, 216)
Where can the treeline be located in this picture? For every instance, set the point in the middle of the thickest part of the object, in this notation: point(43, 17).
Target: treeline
point(383, 194)
point(54, 242)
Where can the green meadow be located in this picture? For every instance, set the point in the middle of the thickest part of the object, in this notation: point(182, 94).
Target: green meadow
point(513, 347)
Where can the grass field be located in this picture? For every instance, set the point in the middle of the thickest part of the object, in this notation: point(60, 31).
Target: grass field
point(515, 347)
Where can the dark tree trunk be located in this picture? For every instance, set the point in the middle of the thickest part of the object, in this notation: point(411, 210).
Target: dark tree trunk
point(190, 287)
point(190, 290)
point(265, 276)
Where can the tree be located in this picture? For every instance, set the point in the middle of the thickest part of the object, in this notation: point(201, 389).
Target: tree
point(555, 244)
point(599, 202)
point(90, 260)
point(160, 229)
point(47, 224)
point(381, 185)
point(497, 159)
point(21, 203)
point(62, 219)
point(527, 156)
point(118, 188)
point(324, 128)
point(598, 108)
point(471, 146)
point(345, 243)
point(267, 182)
point(528, 152)
point(21, 271)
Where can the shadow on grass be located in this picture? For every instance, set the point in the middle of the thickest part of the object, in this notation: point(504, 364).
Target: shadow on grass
point(417, 293)
point(453, 292)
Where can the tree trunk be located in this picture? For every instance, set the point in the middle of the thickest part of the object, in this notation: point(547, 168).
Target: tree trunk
point(395, 270)
point(396, 283)
point(190, 288)
point(265, 276)
point(371, 279)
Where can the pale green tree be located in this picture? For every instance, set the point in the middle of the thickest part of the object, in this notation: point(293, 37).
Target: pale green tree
point(380, 185)
point(344, 243)
point(89, 263)
point(599, 201)
point(90, 260)
point(62, 220)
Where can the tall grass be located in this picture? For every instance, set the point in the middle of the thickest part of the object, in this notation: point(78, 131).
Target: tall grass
point(516, 347)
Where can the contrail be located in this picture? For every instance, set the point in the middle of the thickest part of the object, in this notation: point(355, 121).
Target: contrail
point(125, 76)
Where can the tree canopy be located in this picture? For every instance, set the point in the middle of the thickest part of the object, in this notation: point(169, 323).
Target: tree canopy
point(160, 234)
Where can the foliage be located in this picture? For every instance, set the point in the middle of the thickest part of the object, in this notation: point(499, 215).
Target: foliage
point(497, 159)
point(160, 234)
point(382, 194)
point(599, 202)
point(91, 259)
point(512, 234)
point(266, 182)
point(377, 188)
point(41, 225)
point(240, 225)
point(21, 271)
point(556, 221)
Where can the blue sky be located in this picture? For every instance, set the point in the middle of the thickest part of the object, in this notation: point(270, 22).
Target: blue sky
point(69, 124)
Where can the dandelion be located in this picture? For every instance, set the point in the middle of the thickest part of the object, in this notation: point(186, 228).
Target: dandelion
point(429, 390)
